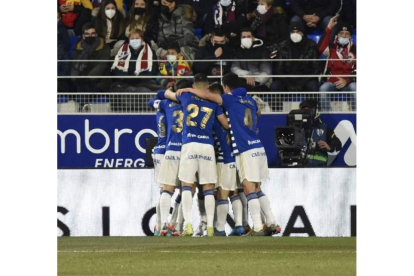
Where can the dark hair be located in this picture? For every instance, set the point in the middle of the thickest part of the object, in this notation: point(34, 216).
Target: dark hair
point(182, 83)
point(219, 33)
point(247, 29)
point(200, 77)
point(146, 17)
point(118, 20)
point(216, 87)
point(231, 80)
point(174, 45)
point(87, 26)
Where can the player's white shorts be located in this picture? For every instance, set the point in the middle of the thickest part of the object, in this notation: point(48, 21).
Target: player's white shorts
point(198, 157)
point(168, 173)
point(157, 158)
point(227, 176)
point(252, 165)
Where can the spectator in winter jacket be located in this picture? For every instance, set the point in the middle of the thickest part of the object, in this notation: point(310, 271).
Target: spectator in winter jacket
point(175, 65)
point(75, 13)
point(314, 13)
point(227, 16)
point(174, 26)
point(215, 48)
point(63, 46)
point(90, 47)
point(343, 51)
point(297, 46)
point(268, 23)
point(109, 22)
point(135, 58)
point(252, 48)
point(141, 17)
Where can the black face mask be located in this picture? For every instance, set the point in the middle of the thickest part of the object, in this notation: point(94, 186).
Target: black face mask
point(139, 11)
point(165, 10)
point(216, 46)
point(90, 40)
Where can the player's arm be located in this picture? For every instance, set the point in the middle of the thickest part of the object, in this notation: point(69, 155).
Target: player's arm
point(168, 94)
point(204, 94)
point(223, 121)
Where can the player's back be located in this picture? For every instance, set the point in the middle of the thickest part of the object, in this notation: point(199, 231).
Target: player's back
point(199, 116)
point(242, 114)
point(174, 118)
point(223, 143)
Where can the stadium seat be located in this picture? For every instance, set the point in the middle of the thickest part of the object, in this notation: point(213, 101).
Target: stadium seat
point(98, 105)
point(73, 40)
point(314, 38)
point(292, 102)
point(66, 106)
point(340, 103)
point(198, 33)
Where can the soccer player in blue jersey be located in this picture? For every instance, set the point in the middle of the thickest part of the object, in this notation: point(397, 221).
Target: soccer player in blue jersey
point(226, 177)
point(158, 153)
point(168, 173)
point(251, 160)
point(197, 153)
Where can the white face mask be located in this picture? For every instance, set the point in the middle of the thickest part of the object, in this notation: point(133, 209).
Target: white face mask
point(261, 9)
point(225, 3)
point(172, 58)
point(135, 43)
point(246, 43)
point(296, 38)
point(343, 41)
point(110, 13)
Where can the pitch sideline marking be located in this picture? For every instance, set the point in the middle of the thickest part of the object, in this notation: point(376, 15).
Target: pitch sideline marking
point(204, 252)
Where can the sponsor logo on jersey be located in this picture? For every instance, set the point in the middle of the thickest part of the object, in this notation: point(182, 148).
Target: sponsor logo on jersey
point(253, 142)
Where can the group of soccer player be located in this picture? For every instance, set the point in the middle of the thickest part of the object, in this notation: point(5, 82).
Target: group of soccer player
point(208, 140)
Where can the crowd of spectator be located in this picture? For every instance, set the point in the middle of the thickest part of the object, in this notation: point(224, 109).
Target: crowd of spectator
point(156, 40)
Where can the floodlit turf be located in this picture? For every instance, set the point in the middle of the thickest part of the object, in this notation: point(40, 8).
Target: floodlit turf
point(206, 256)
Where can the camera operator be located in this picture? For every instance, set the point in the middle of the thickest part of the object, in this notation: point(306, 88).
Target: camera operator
point(324, 141)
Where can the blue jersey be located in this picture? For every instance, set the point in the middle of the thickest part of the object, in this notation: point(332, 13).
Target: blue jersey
point(161, 127)
point(174, 118)
point(241, 113)
point(222, 141)
point(199, 117)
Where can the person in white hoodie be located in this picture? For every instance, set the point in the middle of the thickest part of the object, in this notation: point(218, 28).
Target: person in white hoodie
point(252, 74)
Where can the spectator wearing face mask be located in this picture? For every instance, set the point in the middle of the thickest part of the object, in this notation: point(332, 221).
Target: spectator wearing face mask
point(252, 48)
point(214, 47)
point(90, 47)
point(227, 16)
point(97, 5)
point(175, 65)
point(141, 17)
point(268, 23)
point(109, 22)
point(343, 51)
point(315, 14)
point(175, 27)
point(75, 13)
point(135, 58)
point(297, 46)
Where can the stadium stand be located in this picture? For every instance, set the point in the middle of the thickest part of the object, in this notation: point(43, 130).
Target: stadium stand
point(341, 100)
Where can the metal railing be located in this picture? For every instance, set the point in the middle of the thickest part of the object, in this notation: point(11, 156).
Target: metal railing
point(134, 103)
point(137, 103)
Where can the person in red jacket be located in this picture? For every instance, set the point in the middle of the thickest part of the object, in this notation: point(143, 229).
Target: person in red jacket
point(342, 55)
point(75, 13)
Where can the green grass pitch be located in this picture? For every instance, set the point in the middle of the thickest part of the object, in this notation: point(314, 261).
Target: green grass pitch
point(206, 256)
